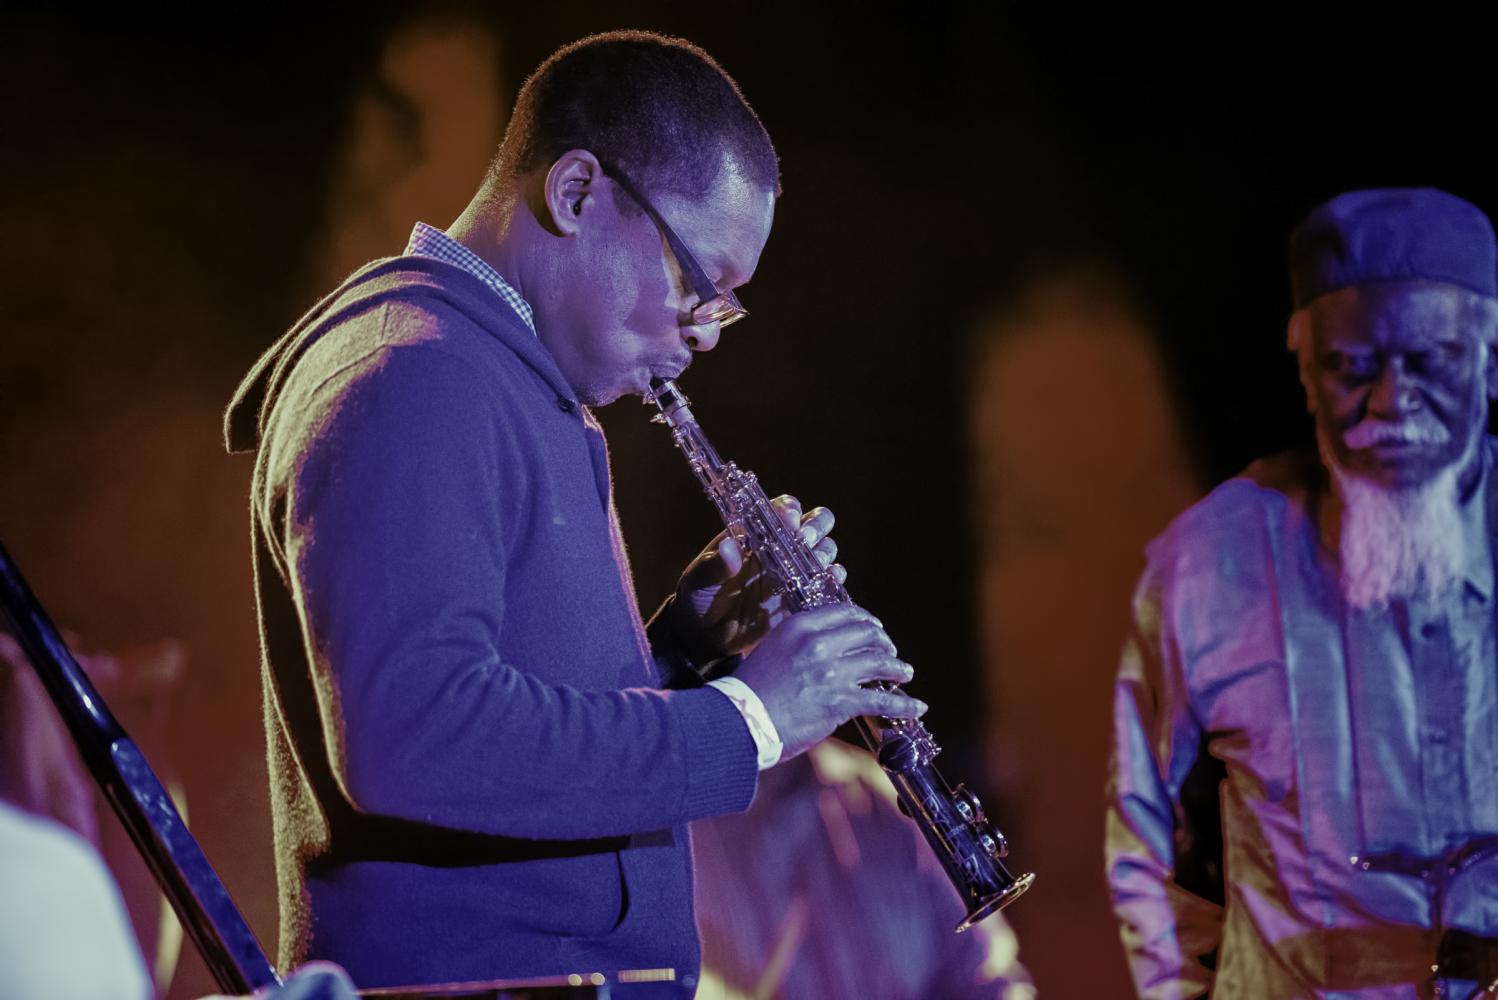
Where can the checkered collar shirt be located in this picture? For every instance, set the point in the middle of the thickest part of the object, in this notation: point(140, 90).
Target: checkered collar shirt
point(428, 241)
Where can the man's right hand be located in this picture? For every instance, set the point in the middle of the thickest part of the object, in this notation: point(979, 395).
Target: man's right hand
point(809, 671)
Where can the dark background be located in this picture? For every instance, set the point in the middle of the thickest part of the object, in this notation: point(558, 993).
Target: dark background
point(164, 183)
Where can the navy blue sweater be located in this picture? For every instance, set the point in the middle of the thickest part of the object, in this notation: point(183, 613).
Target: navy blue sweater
point(474, 772)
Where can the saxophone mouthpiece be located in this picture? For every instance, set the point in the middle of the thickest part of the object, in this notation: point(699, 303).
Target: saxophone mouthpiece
point(672, 401)
point(660, 389)
point(656, 395)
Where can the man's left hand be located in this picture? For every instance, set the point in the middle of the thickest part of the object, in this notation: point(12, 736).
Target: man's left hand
point(725, 603)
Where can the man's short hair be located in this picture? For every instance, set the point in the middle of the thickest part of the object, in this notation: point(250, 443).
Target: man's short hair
point(658, 108)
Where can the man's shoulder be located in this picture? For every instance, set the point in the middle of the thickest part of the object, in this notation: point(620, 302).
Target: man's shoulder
point(394, 313)
point(410, 276)
point(404, 336)
point(429, 298)
point(1269, 484)
point(1250, 509)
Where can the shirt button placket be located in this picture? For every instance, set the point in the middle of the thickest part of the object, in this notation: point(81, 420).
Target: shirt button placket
point(1440, 682)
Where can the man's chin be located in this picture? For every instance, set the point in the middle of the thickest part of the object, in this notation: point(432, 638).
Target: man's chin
point(1397, 466)
point(1397, 476)
point(1401, 530)
point(603, 393)
point(636, 384)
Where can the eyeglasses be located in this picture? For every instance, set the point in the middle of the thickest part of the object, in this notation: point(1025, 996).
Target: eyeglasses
point(714, 305)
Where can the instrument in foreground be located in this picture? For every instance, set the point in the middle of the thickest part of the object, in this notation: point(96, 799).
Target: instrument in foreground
point(969, 848)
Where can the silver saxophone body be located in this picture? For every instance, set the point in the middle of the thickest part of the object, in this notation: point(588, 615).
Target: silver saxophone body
point(969, 848)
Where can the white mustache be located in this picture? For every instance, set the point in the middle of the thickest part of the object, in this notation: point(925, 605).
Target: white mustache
point(1375, 432)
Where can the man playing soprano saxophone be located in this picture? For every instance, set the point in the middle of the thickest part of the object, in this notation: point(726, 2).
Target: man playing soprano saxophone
point(482, 760)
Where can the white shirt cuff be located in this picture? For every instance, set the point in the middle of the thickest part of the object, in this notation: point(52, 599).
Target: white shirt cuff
point(766, 739)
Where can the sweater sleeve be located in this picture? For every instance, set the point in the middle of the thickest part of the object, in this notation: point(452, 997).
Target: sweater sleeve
point(400, 480)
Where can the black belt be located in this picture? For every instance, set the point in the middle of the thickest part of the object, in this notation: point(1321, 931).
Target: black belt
point(1464, 955)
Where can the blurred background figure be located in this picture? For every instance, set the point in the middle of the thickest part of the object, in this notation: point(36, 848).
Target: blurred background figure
point(420, 134)
point(42, 774)
point(1078, 462)
point(84, 917)
point(824, 889)
point(64, 932)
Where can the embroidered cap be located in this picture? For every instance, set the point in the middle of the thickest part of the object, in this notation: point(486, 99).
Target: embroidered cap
point(1392, 234)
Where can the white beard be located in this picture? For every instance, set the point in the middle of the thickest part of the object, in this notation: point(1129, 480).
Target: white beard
point(1400, 542)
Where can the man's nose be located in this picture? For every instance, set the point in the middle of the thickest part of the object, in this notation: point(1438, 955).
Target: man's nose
point(1394, 393)
point(703, 337)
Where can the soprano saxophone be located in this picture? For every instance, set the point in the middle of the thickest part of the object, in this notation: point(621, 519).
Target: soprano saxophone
point(969, 848)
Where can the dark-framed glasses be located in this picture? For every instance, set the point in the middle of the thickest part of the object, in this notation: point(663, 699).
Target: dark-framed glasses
point(714, 304)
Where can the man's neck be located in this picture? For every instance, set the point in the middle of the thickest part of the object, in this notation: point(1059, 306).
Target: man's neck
point(488, 227)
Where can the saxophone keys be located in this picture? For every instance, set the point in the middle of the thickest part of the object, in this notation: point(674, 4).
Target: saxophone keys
point(994, 843)
point(968, 806)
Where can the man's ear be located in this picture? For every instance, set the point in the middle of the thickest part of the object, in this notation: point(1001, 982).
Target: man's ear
point(571, 190)
point(1482, 317)
point(1298, 339)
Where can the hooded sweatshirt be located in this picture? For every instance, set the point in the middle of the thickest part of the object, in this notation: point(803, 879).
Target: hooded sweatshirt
point(473, 770)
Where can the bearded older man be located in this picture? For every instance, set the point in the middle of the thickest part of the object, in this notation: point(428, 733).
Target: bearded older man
point(1304, 792)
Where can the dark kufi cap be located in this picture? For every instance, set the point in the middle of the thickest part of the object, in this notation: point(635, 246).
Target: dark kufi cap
point(1392, 234)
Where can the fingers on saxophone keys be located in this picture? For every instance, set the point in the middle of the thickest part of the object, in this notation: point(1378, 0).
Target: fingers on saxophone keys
point(826, 551)
point(835, 616)
point(862, 635)
point(730, 554)
point(789, 509)
point(890, 704)
point(816, 525)
point(887, 668)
